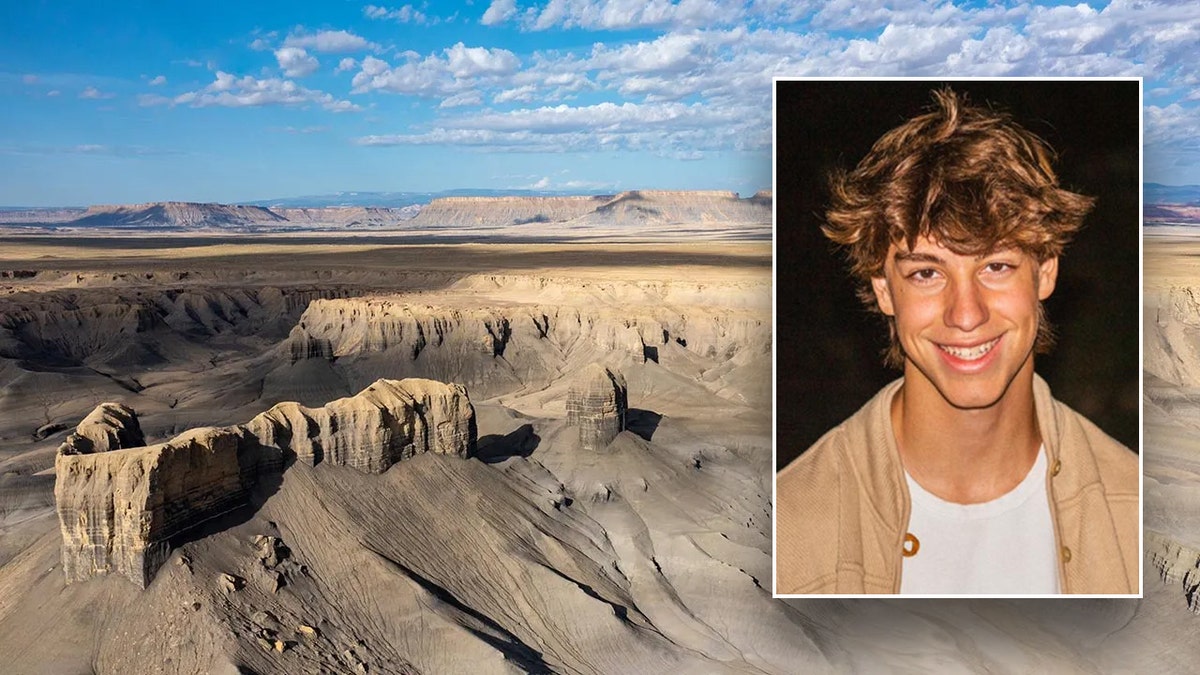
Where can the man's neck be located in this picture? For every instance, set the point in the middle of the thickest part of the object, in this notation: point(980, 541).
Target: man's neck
point(966, 456)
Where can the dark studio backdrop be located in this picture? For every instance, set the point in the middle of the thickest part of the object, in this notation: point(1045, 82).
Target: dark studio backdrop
point(829, 346)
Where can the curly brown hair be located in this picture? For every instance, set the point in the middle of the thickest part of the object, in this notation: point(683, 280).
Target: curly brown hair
point(968, 177)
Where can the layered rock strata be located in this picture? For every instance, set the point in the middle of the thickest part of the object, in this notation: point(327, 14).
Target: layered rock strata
point(1176, 564)
point(625, 208)
point(111, 426)
point(387, 422)
point(335, 328)
point(596, 405)
point(119, 509)
point(120, 506)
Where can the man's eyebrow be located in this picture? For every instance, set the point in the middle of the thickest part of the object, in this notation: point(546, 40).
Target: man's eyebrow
point(914, 256)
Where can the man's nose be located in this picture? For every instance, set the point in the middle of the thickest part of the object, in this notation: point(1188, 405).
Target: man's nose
point(966, 310)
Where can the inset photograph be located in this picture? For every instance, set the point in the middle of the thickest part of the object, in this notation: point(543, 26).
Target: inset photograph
point(957, 360)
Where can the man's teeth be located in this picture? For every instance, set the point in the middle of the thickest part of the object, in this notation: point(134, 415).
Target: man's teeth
point(970, 353)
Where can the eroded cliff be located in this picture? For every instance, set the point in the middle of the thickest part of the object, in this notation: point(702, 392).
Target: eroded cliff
point(120, 506)
point(1177, 565)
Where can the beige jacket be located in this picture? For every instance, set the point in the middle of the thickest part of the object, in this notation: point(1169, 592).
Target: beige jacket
point(843, 506)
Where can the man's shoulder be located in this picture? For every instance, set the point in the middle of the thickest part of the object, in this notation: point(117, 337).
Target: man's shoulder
point(862, 432)
point(1118, 465)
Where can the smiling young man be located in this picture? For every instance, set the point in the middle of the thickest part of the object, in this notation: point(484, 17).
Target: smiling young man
point(965, 476)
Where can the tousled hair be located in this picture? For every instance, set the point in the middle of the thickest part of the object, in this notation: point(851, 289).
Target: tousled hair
point(968, 177)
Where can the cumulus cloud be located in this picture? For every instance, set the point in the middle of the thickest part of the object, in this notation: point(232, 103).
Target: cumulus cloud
point(696, 77)
point(94, 93)
point(295, 62)
point(330, 42)
point(523, 93)
point(498, 12)
point(465, 98)
point(456, 69)
point(627, 14)
point(663, 128)
point(230, 91)
point(406, 14)
point(158, 80)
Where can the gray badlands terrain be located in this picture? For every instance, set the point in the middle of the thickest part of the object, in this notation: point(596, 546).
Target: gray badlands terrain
point(271, 455)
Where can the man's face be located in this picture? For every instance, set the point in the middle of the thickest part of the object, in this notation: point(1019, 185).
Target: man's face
point(967, 323)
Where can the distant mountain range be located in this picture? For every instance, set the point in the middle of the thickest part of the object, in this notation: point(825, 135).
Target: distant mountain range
point(1163, 205)
point(1157, 193)
point(401, 199)
point(1153, 193)
point(518, 213)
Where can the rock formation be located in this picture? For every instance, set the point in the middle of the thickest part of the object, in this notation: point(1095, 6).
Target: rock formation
point(1176, 564)
point(387, 422)
point(119, 505)
point(177, 214)
point(111, 426)
point(630, 207)
point(596, 405)
point(445, 342)
point(191, 215)
point(469, 211)
point(119, 509)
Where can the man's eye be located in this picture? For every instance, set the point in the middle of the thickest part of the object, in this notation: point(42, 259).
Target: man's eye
point(999, 267)
point(924, 274)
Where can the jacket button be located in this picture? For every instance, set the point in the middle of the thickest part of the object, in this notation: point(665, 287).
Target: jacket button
point(1056, 468)
point(1066, 554)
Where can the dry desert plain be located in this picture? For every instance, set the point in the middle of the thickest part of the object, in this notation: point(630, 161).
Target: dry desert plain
point(536, 551)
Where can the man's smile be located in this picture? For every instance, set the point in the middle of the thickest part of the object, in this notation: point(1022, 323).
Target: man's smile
point(969, 353)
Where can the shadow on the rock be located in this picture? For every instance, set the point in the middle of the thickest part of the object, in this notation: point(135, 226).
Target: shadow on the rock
point(268, 483)
point(642, 422)
point(495, 448)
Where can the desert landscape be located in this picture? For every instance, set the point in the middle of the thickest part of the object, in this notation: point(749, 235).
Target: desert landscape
point(391, 454)
point(331, 455)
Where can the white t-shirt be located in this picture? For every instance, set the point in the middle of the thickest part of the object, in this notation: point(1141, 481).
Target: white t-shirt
point(1005, 546)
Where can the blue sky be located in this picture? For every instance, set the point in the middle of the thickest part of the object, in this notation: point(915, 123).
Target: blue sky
point(256, 100)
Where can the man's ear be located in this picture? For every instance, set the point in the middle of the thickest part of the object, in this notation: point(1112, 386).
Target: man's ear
point(883, 295)
point(1047, 277)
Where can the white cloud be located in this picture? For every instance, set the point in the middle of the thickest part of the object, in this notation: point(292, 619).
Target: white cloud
point(406, 14)
point(670, 53)
point(295, 62)
point(158, 80)
point(330, 42)
point(466, 61)
point(94, 93)
point(667, 128)
point(457, 69)
point(627, 14)
point(524, 94)
point(346, 64)
point(466, 98)
point(498, 12)
point(230, 91)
